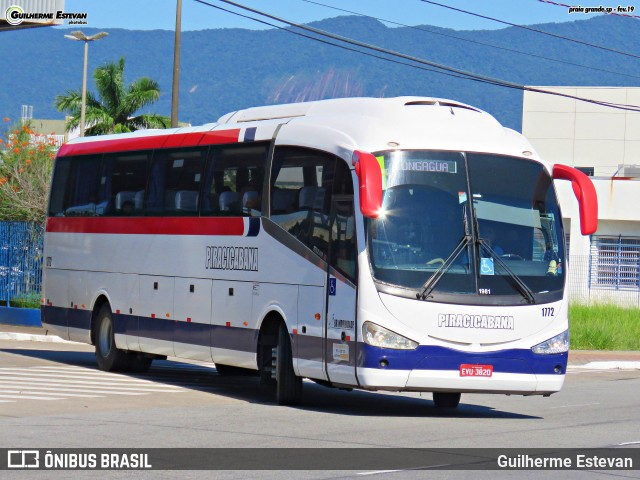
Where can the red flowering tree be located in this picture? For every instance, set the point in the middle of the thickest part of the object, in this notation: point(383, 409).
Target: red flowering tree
point(26, 160)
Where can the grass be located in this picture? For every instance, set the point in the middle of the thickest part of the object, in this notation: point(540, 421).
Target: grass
point(604, 327)
point(30, 300)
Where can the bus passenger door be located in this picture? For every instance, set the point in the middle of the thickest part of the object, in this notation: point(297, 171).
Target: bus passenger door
point(340, 332)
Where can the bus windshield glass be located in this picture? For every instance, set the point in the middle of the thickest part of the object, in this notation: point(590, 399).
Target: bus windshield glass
point(455, 225)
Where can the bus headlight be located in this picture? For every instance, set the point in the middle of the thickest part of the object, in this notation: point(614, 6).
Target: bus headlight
point(378, 336)
point(557, 344)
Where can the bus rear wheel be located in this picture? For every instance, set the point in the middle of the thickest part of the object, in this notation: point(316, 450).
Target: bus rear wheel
point(288, 384)
point(108, 356)
point(446, 399)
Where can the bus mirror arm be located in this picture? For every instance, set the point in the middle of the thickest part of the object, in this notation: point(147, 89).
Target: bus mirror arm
point(370, 181)
point(585, 192)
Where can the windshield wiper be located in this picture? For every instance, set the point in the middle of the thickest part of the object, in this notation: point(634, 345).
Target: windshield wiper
point(519, 284)
point(430, 284)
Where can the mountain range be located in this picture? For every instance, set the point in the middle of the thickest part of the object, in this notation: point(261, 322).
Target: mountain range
point(228, 69)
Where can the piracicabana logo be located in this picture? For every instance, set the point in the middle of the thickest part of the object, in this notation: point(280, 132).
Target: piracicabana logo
point(15, 15)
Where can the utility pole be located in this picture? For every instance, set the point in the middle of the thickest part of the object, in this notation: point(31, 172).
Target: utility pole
point(176, 67)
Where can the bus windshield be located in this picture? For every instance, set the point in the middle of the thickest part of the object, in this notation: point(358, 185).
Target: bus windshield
point(456, 224)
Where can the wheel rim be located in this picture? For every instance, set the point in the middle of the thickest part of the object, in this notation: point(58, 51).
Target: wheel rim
point(105, 337)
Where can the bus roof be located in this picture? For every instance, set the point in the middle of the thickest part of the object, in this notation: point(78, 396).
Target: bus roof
point(337, 106)
point(336, 125)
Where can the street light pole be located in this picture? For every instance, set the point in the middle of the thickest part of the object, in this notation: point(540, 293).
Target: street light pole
point(83, 105)
point(78, 35)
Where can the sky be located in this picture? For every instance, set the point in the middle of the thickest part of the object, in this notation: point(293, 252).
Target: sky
point(161, 14)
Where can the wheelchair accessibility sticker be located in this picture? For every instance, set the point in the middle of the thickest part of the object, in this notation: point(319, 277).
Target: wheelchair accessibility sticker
point(486, 266)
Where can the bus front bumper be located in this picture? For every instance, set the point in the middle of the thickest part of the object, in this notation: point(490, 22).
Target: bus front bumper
point(433, 369)
point(450, 381)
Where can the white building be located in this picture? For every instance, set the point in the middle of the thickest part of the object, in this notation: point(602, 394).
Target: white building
point(604, 142)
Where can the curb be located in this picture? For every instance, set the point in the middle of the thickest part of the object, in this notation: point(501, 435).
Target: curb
point(608, 365)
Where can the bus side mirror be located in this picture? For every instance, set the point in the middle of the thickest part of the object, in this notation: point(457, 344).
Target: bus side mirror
point(370, 180)
point(585, 192)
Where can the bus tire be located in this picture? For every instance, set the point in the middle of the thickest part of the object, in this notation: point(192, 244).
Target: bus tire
point(109, 357)
point(288, 384)
point(446, 399)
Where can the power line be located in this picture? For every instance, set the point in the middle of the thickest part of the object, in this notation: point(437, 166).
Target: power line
point(448, 35)
point(321, 40)
point(531, 29)
point(445, 68)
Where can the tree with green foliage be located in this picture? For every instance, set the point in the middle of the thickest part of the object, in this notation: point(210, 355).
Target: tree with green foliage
point(114, 110)
point(26, 160)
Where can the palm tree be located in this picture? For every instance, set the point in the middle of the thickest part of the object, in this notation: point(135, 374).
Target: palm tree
point(114, 111)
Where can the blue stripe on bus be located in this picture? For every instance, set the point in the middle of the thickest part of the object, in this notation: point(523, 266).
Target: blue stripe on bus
point(66, 317)
point(254, 227)
point(441, 358)
point(425, 357)
point(217, 336)
point(250, 134)
point(154, 328)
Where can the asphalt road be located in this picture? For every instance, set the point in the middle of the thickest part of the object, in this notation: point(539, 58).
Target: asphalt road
point(53, 396)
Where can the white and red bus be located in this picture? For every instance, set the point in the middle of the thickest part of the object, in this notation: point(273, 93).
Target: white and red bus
point(402, 244)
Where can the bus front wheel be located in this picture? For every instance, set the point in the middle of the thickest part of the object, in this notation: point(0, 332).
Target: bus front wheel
point(446, 399)
point(288, 384)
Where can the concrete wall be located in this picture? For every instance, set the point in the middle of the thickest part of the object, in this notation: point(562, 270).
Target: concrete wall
point(581, 134)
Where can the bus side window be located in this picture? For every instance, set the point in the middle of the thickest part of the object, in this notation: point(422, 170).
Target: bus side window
point(174, 182)
point(343, 224)
point(76, 191)
point(59, 186)
point(234, 180)
point(302, 182)
point(124, 183)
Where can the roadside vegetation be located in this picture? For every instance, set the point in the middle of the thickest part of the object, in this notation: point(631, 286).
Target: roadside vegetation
point(114, 108)
point(26, 160)
point(604, 327)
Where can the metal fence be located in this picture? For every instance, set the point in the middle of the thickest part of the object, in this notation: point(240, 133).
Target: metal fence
point(592, 280)
point(20, 263)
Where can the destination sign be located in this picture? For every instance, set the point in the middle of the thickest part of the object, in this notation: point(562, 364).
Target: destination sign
point(436, 166)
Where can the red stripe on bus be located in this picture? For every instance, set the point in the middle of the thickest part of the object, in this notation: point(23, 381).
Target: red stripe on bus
point(150, 142)
point(182, 139)
point(147, 225)
point(220, 136)
point(110, 146)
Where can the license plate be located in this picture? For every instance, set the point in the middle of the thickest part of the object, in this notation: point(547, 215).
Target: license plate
point(476, 370)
